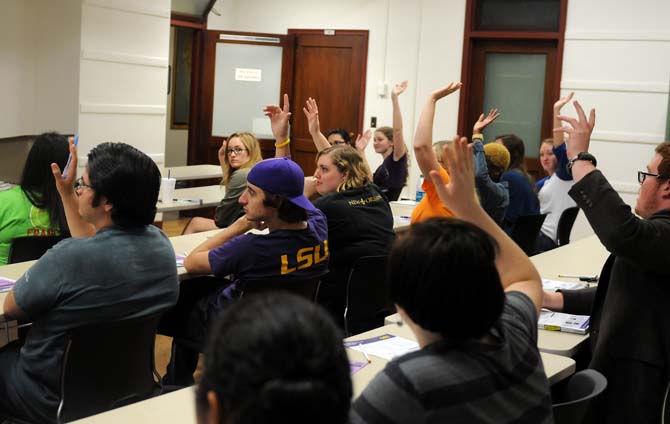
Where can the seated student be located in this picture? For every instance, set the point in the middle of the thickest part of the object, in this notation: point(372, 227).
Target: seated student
point(285, 364)
point(553, 190)
point(125, 269)
point(337, 136)
point(428, 156)
point(33, 208)
point(522, 196)
point(296, 248)
point(491, 161)
point(237, 155)
point(472, 298)
point(360, 221)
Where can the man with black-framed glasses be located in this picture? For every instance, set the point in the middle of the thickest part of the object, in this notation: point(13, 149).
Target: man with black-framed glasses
point(630, 308)
point(115, 266)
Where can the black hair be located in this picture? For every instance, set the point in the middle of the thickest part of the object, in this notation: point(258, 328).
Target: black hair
point(130, 181)
point(343, 133)
point(37, 180)
point(275, 357)
point(517, 153)
point(443, 274)
point(286, 211)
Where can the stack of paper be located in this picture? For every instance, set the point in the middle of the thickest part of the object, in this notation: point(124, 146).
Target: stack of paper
point(386, 346)
point(6, 284)
point(554, 285)
point(556, 321)
point(5, 186)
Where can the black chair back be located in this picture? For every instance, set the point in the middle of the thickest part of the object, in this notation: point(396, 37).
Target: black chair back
point(366, 302)
point(31, 248)
point(306, 287)
point(525, 232)
point(565, 223)
point(107, 365)
point(581, 391)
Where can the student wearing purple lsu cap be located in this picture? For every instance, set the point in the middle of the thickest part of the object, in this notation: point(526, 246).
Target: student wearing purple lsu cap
point(296, 247)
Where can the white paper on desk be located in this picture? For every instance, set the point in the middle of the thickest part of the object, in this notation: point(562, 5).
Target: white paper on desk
point(6, 284)
point(554, 285)
point(180, 260)
point(564, 322)
point(388, 348)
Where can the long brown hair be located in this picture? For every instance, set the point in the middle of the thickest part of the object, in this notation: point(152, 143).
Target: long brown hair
point(250, 142)
point(347, 159)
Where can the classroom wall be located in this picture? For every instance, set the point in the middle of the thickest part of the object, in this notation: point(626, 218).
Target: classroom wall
point(123, 74)
point(176, 140)
point(617, 62)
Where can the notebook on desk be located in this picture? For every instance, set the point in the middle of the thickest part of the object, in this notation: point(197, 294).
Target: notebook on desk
point(556, 321)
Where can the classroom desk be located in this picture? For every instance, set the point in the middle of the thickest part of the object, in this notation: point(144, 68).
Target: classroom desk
point(175, 407)
point(556, 367)
point(192, 172)
point(193, 198)
point(582, 257)
point(402, 207)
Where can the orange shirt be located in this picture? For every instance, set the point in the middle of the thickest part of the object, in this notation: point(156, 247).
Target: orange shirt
point(431, 206)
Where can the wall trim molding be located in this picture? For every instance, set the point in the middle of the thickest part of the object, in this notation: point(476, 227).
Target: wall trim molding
point(627, 188)
point(130, 6)
point(618, 36)
point(622, 86)
point(125, 109)
point(124, 58)
point(628, 138)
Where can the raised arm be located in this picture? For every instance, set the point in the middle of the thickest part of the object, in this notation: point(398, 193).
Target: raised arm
point(516, 271)
point(483, 122)
point(579, 138)
point(559, 136)
point(222, 155)
point(360, 144)
point(279, 122)
point(398, 138)
point(312, 114)
point(78, 226)
point(423, 139)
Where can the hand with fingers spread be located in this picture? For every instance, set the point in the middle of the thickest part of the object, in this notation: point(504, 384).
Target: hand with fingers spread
point(484, 121)
point(559, 136)
point(279, 118)
point(398, 89)
point(562, 102)
point(312, 114)
point(222, 152)
point(445, 91)
point(65, 186)
point(457, 193)
point(362, 140)
point(579, 130)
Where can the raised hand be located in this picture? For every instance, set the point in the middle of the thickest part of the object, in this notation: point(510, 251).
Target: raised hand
point(279, 119)
point(484, 121)
point(312, 114)
point(562, 102)
point(579, 130)
point(445, 91)
point(222, 152)
point(66, 186)
point(457, 194)
point(362, 140)
point(398, 89)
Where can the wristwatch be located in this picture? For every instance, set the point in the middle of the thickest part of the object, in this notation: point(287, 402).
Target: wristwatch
point(581, 156)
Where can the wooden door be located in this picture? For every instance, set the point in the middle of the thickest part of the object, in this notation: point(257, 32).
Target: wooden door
point(331, 69)
point(536, 122)
point(246, 97)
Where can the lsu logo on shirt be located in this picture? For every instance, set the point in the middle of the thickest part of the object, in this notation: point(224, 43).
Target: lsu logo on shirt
point(305, 258)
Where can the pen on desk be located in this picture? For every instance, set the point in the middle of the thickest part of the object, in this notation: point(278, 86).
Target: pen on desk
point(587, 278)
point(367, 358)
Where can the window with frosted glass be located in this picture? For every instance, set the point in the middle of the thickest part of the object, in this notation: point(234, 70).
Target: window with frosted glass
point(518, 15)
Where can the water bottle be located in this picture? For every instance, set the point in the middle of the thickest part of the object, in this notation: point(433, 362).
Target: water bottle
point(419, 189)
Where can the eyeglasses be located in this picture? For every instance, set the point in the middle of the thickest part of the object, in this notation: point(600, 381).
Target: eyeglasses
point(641, 176)
point(236, 150)
point(79, 183)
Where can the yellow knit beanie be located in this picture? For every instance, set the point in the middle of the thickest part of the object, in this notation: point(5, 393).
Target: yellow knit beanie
point(497, 154)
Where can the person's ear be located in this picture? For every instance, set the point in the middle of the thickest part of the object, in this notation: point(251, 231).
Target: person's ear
point(214, 413)
point(664, 187)
point(107, 206)
point(345, 175)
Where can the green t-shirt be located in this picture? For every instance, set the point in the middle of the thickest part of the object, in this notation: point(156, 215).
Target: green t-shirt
point(19, 218)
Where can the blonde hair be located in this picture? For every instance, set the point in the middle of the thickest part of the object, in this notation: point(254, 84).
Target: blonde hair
point(347, 160)
point(438, 148)
point(250, 142)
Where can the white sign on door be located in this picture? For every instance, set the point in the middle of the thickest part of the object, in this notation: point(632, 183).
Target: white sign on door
point(245, 74)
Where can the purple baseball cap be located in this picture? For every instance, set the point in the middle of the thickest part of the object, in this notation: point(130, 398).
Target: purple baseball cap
point(281, 176)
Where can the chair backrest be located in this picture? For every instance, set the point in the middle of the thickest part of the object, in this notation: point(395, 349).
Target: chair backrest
point(107, 365)
point(366, 302)
point(306, 287)
point(582, 390)
point(31, 248)
point(565, 223)
point(525, 232)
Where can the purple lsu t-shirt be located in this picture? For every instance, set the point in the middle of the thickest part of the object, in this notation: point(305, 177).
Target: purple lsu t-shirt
point(289, 253)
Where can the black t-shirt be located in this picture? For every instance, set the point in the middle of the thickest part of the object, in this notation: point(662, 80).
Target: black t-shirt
point(360, 223)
